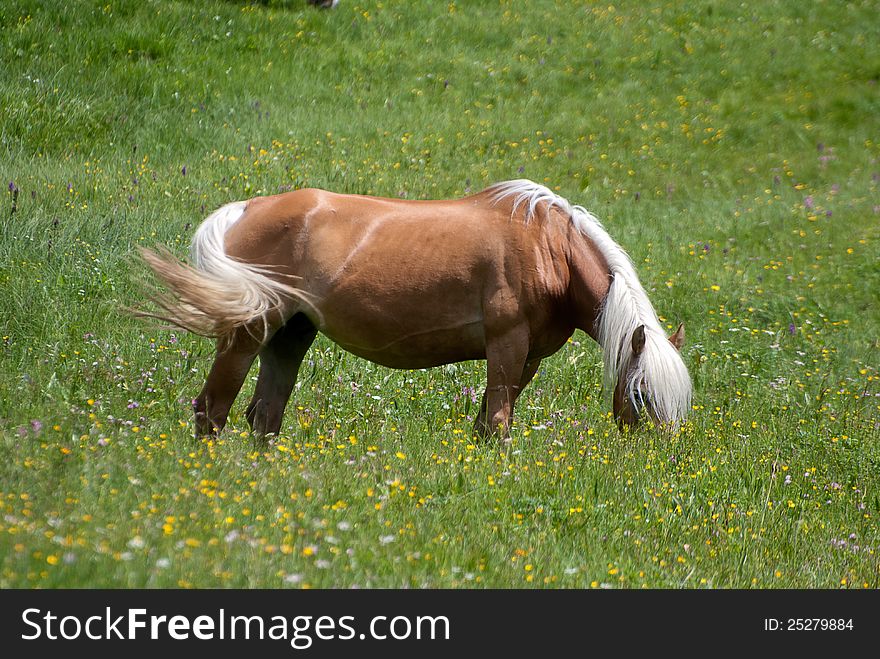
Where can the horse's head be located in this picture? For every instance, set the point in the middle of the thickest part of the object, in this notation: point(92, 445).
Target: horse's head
point(633, 401)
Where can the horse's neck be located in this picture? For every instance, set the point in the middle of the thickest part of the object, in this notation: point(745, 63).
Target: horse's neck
point(589, 284)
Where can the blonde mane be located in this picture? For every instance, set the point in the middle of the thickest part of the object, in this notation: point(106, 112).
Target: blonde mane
point(660, 372)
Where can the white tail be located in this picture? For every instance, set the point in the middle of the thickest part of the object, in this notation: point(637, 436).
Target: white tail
point(218, 294)
point(661, 371)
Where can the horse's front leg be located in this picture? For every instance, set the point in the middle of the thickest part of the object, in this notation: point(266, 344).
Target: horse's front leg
point(506, 374)
point(481, 424)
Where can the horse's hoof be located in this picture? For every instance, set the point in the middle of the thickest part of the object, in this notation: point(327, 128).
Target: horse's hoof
point(258, 417)
point(204, 427)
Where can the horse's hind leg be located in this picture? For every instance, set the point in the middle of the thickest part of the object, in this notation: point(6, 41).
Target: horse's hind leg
point(280, 359)
point(230, 368)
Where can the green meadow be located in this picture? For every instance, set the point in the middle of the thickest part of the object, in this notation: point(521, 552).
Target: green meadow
point(731, 148)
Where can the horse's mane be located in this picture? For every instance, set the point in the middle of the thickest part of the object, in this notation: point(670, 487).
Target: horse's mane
point(661, 370)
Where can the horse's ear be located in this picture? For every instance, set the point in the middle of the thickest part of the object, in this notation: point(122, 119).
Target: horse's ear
point(638, 340)
point(677, 339)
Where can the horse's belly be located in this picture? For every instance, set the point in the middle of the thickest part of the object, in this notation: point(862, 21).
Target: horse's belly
point(420, 350)
point(402, 334)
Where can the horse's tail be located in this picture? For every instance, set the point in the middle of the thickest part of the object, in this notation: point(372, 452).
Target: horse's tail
point(217, 294)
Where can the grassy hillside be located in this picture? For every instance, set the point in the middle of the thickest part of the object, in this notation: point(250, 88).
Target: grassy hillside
point(731, 149)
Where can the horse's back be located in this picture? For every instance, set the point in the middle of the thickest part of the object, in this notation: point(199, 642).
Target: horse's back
point(333, 230)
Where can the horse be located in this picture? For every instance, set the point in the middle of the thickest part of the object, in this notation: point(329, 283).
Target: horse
point(505, 275)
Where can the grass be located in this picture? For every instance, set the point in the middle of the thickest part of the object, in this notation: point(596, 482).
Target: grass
point(731, 149)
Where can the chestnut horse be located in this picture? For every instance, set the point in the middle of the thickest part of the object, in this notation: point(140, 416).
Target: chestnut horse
point(505, 275)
